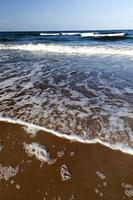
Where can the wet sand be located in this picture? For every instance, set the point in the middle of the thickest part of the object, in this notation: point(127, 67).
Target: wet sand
point(95, 172)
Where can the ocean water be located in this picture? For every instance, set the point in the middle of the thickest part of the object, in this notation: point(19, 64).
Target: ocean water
point(77, 84)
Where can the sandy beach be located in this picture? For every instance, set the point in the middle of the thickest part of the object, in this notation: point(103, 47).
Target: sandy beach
point(66, 100)
point(91, 171)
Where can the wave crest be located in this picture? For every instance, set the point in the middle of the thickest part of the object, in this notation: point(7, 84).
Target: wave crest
point(101, 35)
point(59, 34)
point(49, 34)
point(85, 34)
point(64, 49)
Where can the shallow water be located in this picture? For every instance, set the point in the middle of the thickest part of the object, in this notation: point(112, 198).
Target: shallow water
point(71, 85)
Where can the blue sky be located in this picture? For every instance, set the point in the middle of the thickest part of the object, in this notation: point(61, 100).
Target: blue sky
point(65, 14)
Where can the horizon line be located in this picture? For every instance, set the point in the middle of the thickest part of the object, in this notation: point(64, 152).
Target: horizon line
point(68, 30)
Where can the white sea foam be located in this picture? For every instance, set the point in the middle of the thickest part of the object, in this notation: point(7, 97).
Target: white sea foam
point(128, 189)
point(7, 172)
point(49, 34)
point(88, 34)
point(60, 154)
point(70, 34)
point(64, 49)
point(101, 175)
point(84, 34)
point(72, 197)
point(117, 146)
point(65, 173)
point(37, 150)
point(31, 130)
point(17, 186)
point(60, 34)
point(129, 90)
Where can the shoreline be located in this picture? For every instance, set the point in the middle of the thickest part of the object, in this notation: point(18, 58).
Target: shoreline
point(32, 129)
point(95, 171)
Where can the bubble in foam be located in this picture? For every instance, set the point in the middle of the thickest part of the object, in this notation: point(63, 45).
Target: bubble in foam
point(60, 154)
point(72, 197)
point(101, 175)
point(128, 189)
point(58, 198)
point(7, 172)
point(12, 181)
point(65, 173)
point(72, 153)
point(104, 184)
point(17, 186)
point(39, 151)
point(101, 194)
point(97, 190)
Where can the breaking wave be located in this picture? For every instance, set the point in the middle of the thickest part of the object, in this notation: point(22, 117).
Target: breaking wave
point(99, 35)
point(65, 49)
point(49, 34)
point(59, 34)
point(85, 34)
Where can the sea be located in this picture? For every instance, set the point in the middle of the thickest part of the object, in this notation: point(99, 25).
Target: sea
point(75, 84)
